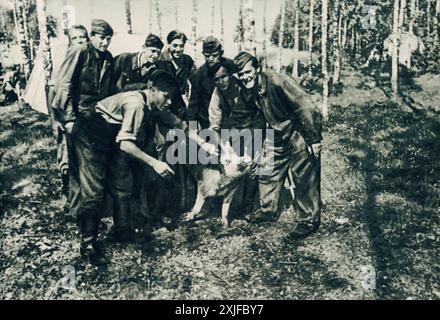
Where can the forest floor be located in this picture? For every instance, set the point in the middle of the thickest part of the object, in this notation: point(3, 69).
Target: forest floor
point(379, 237)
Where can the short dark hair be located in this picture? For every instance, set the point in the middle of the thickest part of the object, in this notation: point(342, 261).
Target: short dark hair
point(176, 34)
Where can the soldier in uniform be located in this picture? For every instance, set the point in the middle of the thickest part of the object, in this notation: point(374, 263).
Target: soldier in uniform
point(77, 35)
point(85, 77)
point(133, 69)
point(102, 142)
point(297, 125)
point(174, 61)
point(202, 81)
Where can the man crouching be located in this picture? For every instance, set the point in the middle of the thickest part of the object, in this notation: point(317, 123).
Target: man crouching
point(104, 138)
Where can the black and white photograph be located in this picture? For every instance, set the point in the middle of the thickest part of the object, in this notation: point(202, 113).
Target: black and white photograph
point(194, 150)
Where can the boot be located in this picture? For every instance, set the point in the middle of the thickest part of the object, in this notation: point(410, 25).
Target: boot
point(122, 222)
point(89, 231)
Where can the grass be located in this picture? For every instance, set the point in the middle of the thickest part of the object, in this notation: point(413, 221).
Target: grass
point(381, 190)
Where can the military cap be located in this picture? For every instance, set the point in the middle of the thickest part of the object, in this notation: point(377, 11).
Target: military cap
point(211, 44)
point(153, 41)
point(101, 27)
point(243, 58)
point(175, 34)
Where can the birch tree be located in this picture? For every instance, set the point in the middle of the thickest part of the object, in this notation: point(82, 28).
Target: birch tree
point(45, 49)
point(311, 17)
point(128, 16)
point(194, 25)
point(412, 16)
point(395, 50)
point(428, 22)
point(21, 38)
point(336, 45)
point(295, 40)
point(437, 21)
point(150, 16)
point(222, 23)
point(265, 34)
point(249, 27)
point(212, 16)
point(324, 30)
point(158, 17)
point(281, 35)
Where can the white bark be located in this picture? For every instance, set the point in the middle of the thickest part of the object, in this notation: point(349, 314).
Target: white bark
point(336, 53)
point(21, 38)
point(194, 26)
point(412, 16)
point(128, 16)
point(44, 42)
point(402, 13)
point(311, 14)
point(428, 22)
point(212, 16)
point(265, 34)
point(222, 23)
point(324, 26)
point(249, 27)
point(296, 40)
point(281, 35)
point(395, 50)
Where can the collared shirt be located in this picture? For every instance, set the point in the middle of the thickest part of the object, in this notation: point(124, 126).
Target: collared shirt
point(129, 74)
point(85, 77)
point(202, 81)
point(228, 109)
point(287, 108)
point(128, 110)
point(181, 72)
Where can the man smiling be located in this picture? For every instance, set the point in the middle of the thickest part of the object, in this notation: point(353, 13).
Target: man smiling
point(296, 122)
point(133, 69)
point(202, 81)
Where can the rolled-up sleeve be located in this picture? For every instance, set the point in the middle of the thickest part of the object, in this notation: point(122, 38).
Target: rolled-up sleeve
point(133, 116)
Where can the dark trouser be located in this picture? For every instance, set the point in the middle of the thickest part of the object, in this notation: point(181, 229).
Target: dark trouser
point(305, 172)
point(101, 168)
point(68, 167)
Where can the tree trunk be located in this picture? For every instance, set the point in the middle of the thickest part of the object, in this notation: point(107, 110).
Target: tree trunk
point(249, 27)
point(281, 35)
point(21, 38)
point(428, 22)
point(344, 34)
point(176, 13)
point(296, 40)
point(412, 16)
point(27, 30)
point(402, 13)
point(212, 16)
point(150, 16)
point(324, 27)
point(159, 18)
point(194, 25)
point(128, 16)
point(311, 14)
point(265, 35)
point(45, 49)
point(222, 23)
point(395, 51)
point(336, 51)
point(437, 22)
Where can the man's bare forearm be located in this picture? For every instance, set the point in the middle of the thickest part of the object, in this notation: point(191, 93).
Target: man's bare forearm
point(133, 150)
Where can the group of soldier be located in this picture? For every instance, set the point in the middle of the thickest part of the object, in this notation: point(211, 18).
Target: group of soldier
point(112, 116)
